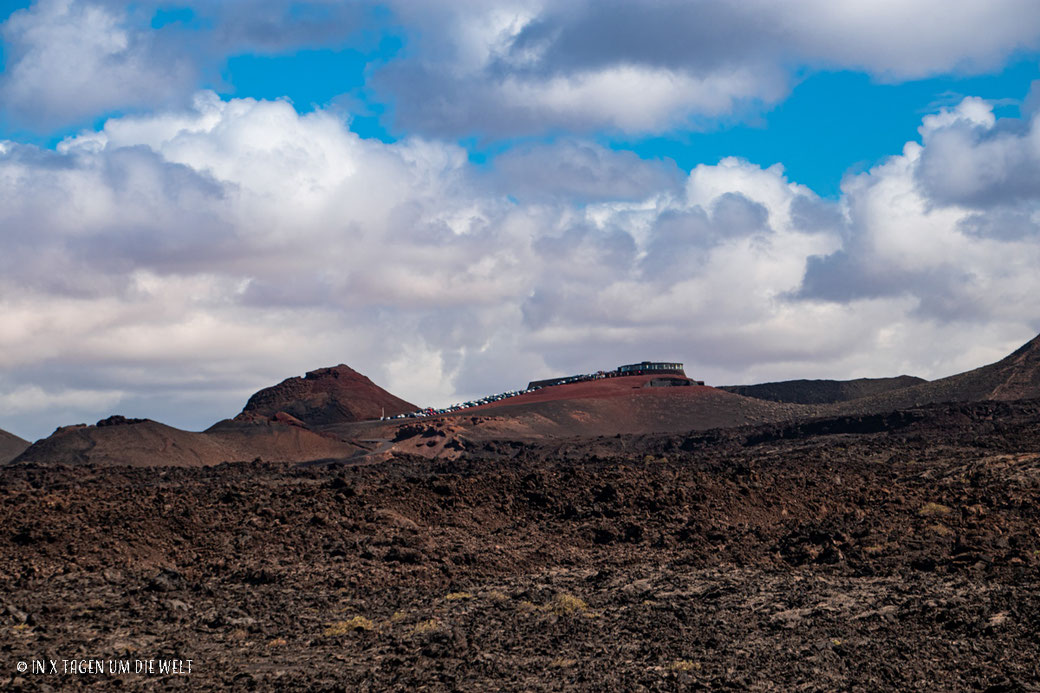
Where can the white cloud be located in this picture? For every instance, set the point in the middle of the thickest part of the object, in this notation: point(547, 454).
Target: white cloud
point(33, 399)
point(507, 68)
point(932, 224)
point(185, 259)
point(67, 60)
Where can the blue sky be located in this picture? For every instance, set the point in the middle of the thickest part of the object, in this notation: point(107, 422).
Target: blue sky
point(822, 103)
point(202, 198)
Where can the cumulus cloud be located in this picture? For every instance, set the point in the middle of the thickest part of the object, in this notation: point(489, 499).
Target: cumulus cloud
point(582, 172)
point(240, 242)
point(516, 67)
point(167, 265)
point(68, 60)
point(506, 67)
point(950, 223)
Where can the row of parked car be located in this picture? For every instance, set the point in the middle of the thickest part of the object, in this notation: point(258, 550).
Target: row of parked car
point(430, 411)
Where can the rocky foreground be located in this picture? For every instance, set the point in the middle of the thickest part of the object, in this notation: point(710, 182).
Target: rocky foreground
point(863, 554)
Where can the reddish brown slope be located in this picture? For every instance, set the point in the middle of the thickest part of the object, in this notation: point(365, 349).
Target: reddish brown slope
point(142, 442)
point(11, 446)
point(326, 396)
point(617, 405)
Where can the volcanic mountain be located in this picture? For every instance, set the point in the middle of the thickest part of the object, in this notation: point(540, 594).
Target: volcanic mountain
point(822, 391)
point(326, 396)
point(142, 442)
point(633, 405)
point(604, 407)
point(11, 446)
point(1016, 376)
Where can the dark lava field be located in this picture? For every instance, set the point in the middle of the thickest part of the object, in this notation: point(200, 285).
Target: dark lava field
point(870, 553)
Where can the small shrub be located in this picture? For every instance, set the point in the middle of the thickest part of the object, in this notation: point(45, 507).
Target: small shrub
point(354, 625)
point(934, 510)
point(684, 665)
point(564, 603)
point(426, 626)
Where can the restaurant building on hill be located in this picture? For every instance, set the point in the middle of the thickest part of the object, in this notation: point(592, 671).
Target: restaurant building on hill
point(651, 368)
point(641, 368)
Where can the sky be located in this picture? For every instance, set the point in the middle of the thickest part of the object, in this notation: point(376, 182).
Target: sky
point(200, 199)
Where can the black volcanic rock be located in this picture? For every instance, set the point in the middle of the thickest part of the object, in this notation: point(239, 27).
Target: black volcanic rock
point(822, 391)
point(326, 396)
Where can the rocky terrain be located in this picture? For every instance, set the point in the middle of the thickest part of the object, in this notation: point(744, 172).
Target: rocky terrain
point(595, 536)
point(855, 553)
point(822, 391)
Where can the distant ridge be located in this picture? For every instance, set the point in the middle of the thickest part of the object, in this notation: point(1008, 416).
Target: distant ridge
point(332, 414)
point(11, 446)
point(822, 391)
point(326, 396)
point(1016, 376)
point(118, 441)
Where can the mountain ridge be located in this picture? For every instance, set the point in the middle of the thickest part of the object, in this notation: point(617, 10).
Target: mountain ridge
point(822, 391)
point(11, 446)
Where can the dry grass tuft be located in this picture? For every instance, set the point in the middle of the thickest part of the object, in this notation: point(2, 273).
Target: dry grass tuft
point(354, 625)
point(934, 510)
point(426, 626)
point(564, 603)
point(684, 665)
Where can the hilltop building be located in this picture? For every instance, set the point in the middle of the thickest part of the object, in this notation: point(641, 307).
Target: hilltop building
point(641, 368)
point(651, 368)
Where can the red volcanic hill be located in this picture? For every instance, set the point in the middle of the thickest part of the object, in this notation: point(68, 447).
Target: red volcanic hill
point(628, 404)
point(142, 442)
point(326, 396)
point(11, 446)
